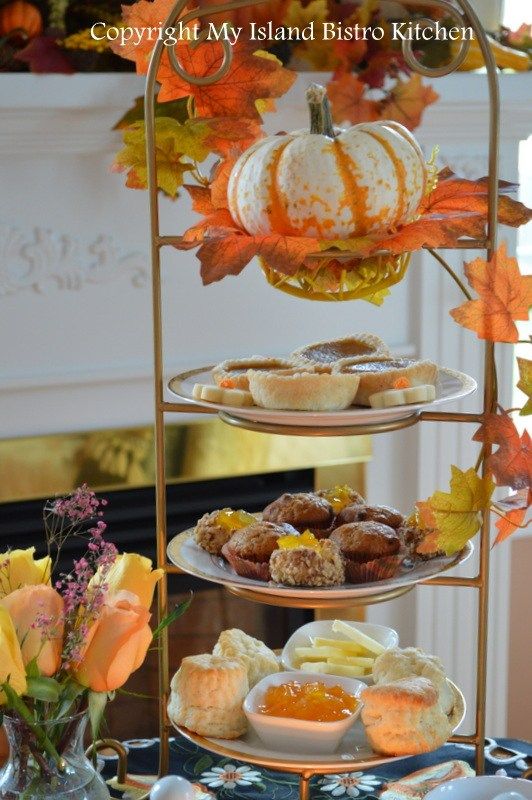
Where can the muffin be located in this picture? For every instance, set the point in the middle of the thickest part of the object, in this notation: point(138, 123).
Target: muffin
point(359, 512)
point(358, 347)
point(213, 530)
point(249, 549)
point(233, 373)
point(308, 566)
point(371, 550)
point(340, 496)
point(302, 510)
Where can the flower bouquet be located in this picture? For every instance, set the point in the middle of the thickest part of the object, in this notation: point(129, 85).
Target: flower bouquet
point(68, 642)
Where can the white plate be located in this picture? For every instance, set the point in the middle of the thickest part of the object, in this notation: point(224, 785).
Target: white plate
point(451, 385)
point(185, 553)
point(484, 787)
point(323, 627)
point(354, 750)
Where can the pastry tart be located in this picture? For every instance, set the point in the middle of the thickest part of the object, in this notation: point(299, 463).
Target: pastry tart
point(232, 374)
point(358, 347)
point(309, 388)
point(376, 375)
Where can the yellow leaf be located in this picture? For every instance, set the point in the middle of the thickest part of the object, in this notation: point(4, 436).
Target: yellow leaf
point(173, 141)
point(456, 514)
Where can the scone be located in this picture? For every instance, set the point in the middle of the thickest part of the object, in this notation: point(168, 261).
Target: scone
point(249, 550)
point(404, 717)
point(258, 659)
point(206, 697)
point(387, 373)
point(233, 373)
point(398, 663)
point(213, 530)
point(303, 510)
point(360, 512)
point(308, 566)
point(371, 551)
point(311, 388)
point(360, 346)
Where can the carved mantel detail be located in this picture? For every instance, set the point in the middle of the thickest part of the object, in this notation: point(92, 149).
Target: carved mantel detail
point(43, 260)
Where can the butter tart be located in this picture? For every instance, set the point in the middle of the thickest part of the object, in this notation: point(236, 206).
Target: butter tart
point(233, 373)
point(304, 511)
point(376, 375)
point(358, 347)
point(371, 550)
point(308, 566)
point(311, 388)
point(249, 549)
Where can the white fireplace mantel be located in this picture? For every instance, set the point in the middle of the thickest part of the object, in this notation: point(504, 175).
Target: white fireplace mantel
point(75, 313)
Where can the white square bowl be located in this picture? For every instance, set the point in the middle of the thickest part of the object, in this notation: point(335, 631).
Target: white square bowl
point(284, 734)
point(387, 637)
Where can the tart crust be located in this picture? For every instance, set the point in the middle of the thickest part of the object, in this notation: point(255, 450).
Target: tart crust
point(303, 389)
point(376, 375)
point(358, 347)
point(235, 369)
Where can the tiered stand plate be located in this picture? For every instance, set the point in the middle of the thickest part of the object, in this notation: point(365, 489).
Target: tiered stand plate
point(189, 557)
point(353, 753)
point(451, 386)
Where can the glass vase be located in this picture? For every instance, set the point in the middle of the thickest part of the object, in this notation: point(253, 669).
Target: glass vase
point(31, 774)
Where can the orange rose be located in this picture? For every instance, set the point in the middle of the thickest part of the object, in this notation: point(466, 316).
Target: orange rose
point(37, 614)
point(116, 644)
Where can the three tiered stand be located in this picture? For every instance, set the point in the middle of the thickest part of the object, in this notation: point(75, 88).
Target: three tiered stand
point(462, 14)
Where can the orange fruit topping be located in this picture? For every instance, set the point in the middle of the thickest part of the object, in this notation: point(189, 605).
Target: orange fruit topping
point(309, 701)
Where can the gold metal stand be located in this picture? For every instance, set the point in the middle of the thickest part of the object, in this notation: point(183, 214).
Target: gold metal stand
point(461, 14)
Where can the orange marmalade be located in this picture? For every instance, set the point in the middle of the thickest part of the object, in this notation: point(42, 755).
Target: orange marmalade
point(309, 701)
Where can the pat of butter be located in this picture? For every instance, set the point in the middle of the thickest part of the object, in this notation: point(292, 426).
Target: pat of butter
point(401, 397)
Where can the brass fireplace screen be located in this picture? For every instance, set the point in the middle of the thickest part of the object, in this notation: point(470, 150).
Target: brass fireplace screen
point(42, 466)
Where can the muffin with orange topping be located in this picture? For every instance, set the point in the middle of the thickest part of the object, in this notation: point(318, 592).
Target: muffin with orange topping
point(213, 530)
point(307, 561)
point(249, 549)
point(340, 497)
point(371, 550)
point(302, 510)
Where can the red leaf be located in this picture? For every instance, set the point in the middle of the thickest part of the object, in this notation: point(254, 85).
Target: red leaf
point(511, 464)
point(43, 54)
point(345, 93)
point(515, 509)
point(226, 255)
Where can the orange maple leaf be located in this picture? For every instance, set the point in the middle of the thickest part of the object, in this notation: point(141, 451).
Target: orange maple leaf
point(229, 135)
point(142, 15)
point(228, 253)
point(504, 296)
point(514, 510)
point(250, 77)
point(511, 464)
point(407, 101)
point(345, 93)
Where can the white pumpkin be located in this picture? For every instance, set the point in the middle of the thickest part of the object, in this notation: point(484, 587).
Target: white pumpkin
point(366, 179)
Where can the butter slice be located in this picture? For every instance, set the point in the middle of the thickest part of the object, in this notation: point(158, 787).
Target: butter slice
point(400, 397)
point(215, 394)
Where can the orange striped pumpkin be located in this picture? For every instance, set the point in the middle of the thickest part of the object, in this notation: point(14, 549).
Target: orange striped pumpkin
point(22, 17)
point(327, 183)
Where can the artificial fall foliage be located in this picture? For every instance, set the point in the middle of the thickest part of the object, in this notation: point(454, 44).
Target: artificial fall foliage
point(512, 512)
point(504, 295)
point(452, 518)
point(525, 384)
point(511, 463)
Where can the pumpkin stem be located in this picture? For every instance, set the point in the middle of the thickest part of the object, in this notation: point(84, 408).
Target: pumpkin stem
point(320, 110)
